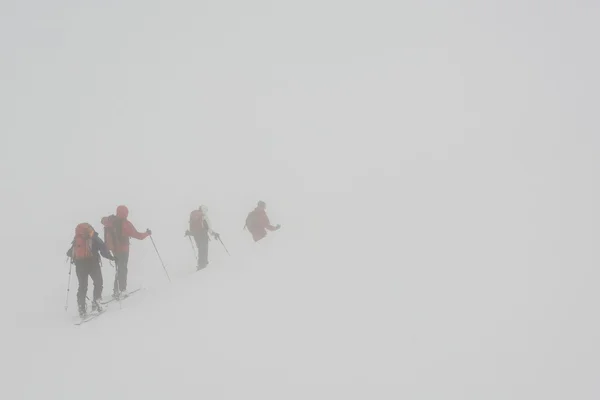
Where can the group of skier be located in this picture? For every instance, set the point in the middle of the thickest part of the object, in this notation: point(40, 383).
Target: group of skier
point(87, 247)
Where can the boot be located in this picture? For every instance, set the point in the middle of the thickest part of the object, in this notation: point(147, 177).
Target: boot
point(82, 310)
point(201, 265)
point(96, 306)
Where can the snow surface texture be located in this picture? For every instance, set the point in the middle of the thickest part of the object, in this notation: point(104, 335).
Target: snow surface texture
point(432, 165)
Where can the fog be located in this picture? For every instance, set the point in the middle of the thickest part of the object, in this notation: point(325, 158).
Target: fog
point(431, 164)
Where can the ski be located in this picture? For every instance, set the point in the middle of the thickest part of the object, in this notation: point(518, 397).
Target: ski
point(122, 298)
point(90, 317)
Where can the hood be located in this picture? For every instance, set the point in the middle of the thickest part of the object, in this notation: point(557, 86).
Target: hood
point(122, 212)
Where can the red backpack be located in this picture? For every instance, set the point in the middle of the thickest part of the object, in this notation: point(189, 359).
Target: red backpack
point(82, 243)
point(113, 233)
point(196, 221)
point(252, 221)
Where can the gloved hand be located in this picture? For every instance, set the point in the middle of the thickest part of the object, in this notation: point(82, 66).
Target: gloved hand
point(187, 233)
point(148, 231)
point(278, 227)
point(216, 235)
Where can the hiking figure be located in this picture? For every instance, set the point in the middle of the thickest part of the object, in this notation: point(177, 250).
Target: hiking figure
point(200, 229)
point(257, 222)
point(84, 252)
point(117, 232)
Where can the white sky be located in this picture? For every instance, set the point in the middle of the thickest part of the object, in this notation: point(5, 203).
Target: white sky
point(437, 157)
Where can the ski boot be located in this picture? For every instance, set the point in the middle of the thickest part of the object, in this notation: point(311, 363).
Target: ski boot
point(96, 306)
point(201, 265)
point(82, 310)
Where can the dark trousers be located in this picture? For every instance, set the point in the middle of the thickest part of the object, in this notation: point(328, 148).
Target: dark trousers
point(121, 273)
point(202, 245)
point(85, 269)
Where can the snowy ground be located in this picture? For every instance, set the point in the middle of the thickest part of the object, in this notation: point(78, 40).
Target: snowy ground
point(285, 320)
point(433, 165)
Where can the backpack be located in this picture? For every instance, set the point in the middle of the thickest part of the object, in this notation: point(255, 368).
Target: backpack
point(196, 221)
point(82, 242)
point(252, 220)
point(113, 233)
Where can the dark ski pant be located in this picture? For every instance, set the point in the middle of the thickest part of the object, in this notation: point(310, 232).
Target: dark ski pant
point(121, 273)
point(85, 269)
point(202, 245)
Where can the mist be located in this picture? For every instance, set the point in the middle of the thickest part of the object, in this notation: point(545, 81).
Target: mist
point(432, 165)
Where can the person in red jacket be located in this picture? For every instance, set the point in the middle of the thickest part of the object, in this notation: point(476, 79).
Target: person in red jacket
point(258, 222)
point(117, 232)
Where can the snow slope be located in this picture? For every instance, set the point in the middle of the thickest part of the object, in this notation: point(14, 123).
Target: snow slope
point(433, 165)
point(280, 320)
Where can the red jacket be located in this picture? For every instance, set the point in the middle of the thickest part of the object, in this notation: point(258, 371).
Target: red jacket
point(118, 231)
point(257, 223)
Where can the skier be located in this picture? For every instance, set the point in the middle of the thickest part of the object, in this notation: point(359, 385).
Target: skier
point(258, 222)
point(200, 228)
point(117, 232)
point(84, 254)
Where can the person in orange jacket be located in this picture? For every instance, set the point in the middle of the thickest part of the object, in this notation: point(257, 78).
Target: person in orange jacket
point(117, 232)
point(258, 222)
point(85, 251)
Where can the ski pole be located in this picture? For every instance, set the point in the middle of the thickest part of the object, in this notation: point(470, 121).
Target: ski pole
point(224, 245)
point(68, 285)
point(160, 258)
point(193, 248)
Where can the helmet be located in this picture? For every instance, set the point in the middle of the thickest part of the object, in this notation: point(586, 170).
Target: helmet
point(203, 208)
point(262, 204)
point(122, 212)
